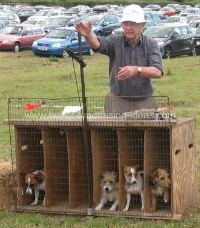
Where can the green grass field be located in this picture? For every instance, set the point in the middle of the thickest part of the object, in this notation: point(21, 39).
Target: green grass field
point(25, 75)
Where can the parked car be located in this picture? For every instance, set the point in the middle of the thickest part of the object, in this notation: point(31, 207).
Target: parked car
point(166, 11)
point(44, 14)
point(2, 25)
point(20, 37)
point(50, 23)
point(194, 25)
point(181, 8)
point(173, 40)
point(196, 41)
point(175, 19)
point(25, 13)
point(103, 24)
point(197, 6)
point(155, 7)
point(57, 40)
point(152, 16)
point(9, 19)
point(190, 11)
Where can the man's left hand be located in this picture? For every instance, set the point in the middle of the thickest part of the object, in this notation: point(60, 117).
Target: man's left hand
point(127, 72)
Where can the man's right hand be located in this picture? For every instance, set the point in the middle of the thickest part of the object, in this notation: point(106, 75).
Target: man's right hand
point(84, 29)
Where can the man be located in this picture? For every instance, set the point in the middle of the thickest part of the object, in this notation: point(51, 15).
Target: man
point(133, 60)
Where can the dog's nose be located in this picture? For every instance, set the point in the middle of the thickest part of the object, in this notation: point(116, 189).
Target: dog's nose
point(28, 191)
point(134, 182)
point(106, 189)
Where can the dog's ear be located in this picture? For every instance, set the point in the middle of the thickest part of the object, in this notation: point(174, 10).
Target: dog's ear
point(153, 174)
point(39, 177)
point(114, 175)
point(102, 175)
point(125, 168)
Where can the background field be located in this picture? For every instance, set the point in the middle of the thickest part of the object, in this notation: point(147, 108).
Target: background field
point(25, 75)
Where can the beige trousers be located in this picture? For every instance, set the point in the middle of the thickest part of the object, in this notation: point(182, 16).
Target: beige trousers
point(118, 105)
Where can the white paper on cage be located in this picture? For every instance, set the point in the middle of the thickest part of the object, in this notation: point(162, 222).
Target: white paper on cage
point(71, 109)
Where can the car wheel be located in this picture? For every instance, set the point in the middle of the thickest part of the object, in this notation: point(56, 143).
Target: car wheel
point(168, 52)
point(91, 52)
point(17, 47)
point(65, 54)
point(194, 53)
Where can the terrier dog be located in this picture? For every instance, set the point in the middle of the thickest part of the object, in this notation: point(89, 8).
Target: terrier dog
point(110, 190)
point(35, 181)
point(161, 187)
point(134, 184)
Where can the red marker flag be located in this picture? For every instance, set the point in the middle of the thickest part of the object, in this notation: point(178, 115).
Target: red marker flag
point(30, 106)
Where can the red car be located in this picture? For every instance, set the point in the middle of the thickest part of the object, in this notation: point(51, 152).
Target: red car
point(20, 37)
point(167, 10)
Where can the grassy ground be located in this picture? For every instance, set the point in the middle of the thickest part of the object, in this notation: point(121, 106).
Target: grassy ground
point(24, 75)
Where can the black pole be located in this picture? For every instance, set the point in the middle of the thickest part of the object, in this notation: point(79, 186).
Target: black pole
point(85, 126)
point(86, 135)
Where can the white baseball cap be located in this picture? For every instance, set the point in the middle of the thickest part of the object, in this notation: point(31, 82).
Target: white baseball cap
point(133, 13)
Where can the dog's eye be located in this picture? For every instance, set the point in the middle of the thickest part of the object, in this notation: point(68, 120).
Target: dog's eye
point(111, 182)
point(162, 178)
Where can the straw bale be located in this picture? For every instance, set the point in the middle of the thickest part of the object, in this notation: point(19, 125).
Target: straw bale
point(7, 186)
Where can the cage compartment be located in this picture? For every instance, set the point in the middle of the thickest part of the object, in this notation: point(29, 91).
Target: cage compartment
point(78, 189)
point(105, 158)
point(157, 155)
point(29, 158)
point(56, 167)
point(131, 151)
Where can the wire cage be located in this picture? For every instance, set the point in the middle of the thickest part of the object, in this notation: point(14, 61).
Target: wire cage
point(93, 171)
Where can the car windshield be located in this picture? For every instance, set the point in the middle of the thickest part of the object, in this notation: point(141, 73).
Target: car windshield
point(59, 33)
point(159, 32)
point(16, 30)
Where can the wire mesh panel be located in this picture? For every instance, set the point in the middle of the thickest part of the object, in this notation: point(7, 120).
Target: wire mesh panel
point(58, 109)
point(29, 157)
point(157, 172)
point(105, 169)
point(131, 160)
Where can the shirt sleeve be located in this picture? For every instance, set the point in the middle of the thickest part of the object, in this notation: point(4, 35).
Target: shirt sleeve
point(154, 55)
point(106, 45)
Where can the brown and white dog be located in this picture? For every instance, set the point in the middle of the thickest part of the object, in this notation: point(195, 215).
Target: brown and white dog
point(134, 184)
point(109, 190)
point(35, 183)
point(161, 182)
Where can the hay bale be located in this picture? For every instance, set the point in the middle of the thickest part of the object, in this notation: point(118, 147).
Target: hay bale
point(7, 186)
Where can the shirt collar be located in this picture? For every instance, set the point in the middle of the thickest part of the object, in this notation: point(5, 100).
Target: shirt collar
point(140, 40)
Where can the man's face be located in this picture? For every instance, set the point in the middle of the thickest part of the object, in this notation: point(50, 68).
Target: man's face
point(131, 29)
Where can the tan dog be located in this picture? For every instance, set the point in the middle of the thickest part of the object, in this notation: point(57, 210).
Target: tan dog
point(161, 187)
point(134, 184)
point(109, 190)
point(35, 181)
